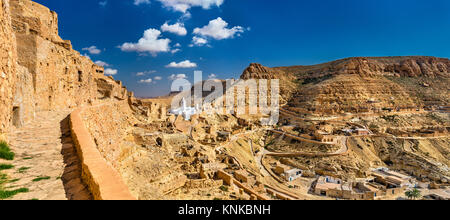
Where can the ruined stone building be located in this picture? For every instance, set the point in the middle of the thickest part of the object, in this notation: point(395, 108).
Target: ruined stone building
point(39, 71)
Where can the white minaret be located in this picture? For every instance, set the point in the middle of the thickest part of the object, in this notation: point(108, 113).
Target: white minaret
point(183, 101)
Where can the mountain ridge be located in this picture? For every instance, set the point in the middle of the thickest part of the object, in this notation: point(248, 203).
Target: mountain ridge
point(361, 84)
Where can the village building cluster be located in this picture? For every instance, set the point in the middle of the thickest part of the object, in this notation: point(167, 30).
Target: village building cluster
point(382, 183)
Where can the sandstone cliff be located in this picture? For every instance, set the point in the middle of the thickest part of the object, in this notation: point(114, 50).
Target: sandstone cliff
point(40, 71)
point(8, 59)
point(411, 66)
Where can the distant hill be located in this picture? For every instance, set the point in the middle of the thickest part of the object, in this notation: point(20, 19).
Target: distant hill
point(361, 84)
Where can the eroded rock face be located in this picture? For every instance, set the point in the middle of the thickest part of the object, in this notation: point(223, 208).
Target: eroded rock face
point(375, 66)
point(361, 84)
point(8, 59)
point(258, 71)
point(421, 66)
point(408, 66)
point(40, 71)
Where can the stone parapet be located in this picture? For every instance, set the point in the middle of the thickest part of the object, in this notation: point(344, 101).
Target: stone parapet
point(104, 182)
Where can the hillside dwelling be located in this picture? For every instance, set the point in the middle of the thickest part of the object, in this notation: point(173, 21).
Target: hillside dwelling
point(288, 173)
point(347, 131)
point(280, 168)
point(391, 179)
point(336, 188)
point(328, 139)
point(293, 174)
point(209, 170)
point(223, 135)
point(245, 177)
point(362, 131)
point(323, 136)
point(329, 186)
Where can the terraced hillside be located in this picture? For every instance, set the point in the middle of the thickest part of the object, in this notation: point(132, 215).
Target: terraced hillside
point(362, 84)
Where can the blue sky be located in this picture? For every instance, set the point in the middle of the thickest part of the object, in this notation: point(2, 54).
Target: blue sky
point(273, 33)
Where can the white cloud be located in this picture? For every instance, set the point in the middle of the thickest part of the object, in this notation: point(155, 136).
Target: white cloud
point(186, 16)
point(158, 78)
point(178, 76)
point(218, 29)
point(139, 2)
point(145, 73)
point(183, 64)
point(199, 41)
point(175, 50)
point(177, 28)
point(103, 3)
point(92, 50)
point(212, 76)
point(101, 63)
point(109, 71)
point(85, 55)
point(145, 81)
point(185, 5)
point(150, 43)
point(177, 45)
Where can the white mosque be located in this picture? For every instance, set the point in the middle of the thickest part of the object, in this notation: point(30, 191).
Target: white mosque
point(185, 111)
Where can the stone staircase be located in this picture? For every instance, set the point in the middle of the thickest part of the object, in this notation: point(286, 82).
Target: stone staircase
point(44, 148)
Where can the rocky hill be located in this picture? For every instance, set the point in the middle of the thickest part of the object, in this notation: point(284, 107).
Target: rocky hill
point(411, 66)
point(361, 84)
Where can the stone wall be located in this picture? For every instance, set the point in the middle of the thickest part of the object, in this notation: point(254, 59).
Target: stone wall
point(60, 76)
point(108, 125)
point(41, 72)
point(111, 126)
point(103, 181)
point(8, 59)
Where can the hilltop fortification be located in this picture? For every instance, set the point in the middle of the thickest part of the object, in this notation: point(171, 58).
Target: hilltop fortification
point(42, 72)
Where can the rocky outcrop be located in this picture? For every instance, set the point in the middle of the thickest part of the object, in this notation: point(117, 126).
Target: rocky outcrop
point(8, 60)
point(421, 66)
point(40, 71)
point(258, 71)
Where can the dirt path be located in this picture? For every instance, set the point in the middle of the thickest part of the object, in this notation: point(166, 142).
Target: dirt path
point(44, 149)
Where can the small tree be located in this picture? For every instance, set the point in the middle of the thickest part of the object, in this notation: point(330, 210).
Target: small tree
point(413, 194)
point(408, 194)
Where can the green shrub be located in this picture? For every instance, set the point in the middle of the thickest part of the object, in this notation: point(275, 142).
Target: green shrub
point(41, 178)
point(5, 151)
point(224, 188)
point(23, 169)
point(13, 181)
point(3, 179)
point(4, 194)
point(6, 166)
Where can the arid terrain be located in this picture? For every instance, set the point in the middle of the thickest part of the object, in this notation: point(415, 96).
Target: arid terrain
point(364, 128)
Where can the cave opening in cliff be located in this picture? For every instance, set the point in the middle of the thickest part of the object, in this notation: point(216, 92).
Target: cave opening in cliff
point(80, 76)
point(16, 116)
